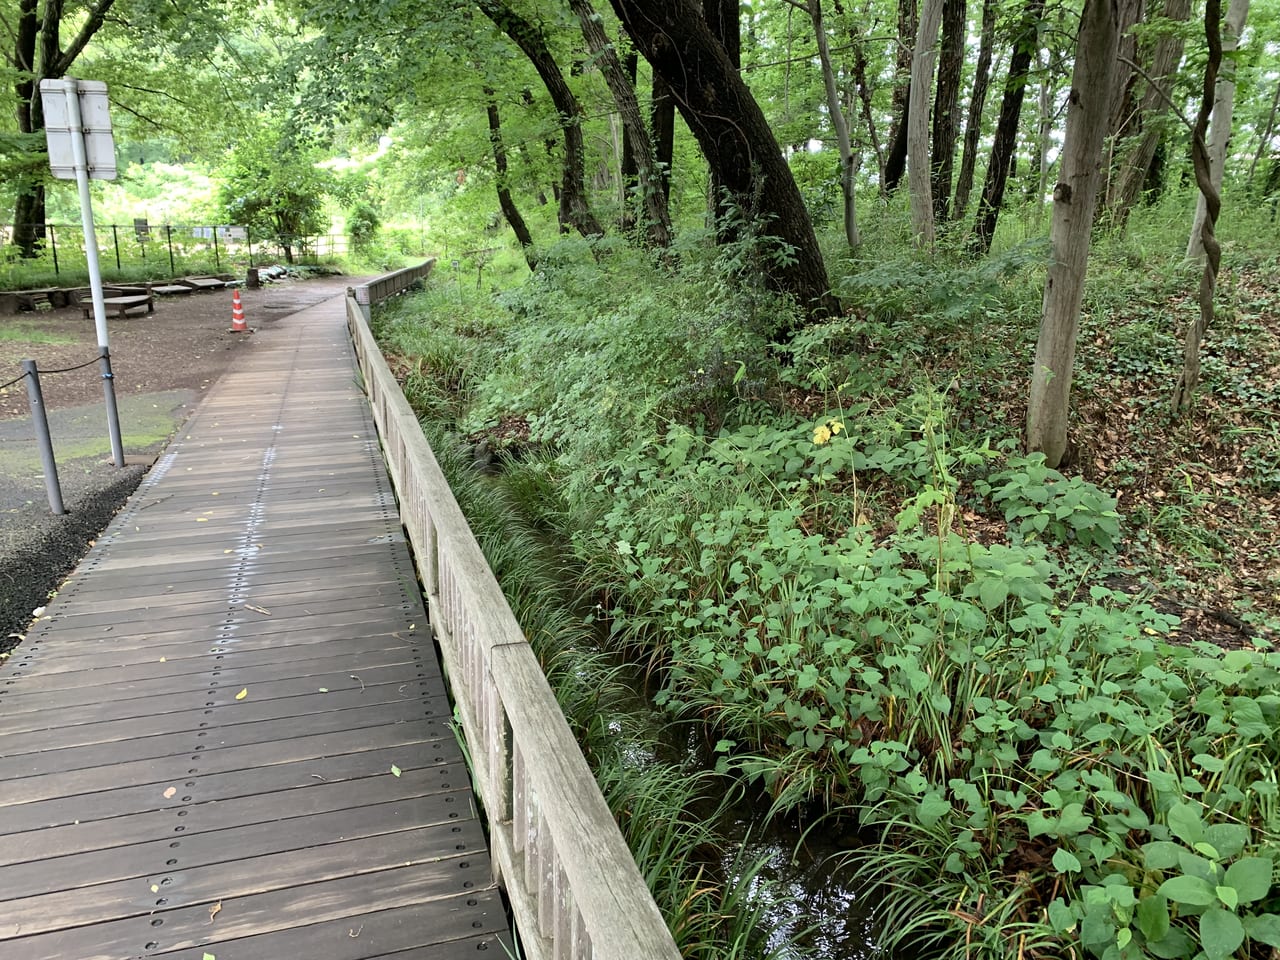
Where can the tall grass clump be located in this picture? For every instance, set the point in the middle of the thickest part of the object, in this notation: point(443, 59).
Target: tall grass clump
point(661, 806)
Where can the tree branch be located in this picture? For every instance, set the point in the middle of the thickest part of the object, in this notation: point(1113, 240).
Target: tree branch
point(91, 26)
point(1155, 85)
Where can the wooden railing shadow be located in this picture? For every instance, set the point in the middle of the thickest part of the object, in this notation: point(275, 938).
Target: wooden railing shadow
point(575, 891)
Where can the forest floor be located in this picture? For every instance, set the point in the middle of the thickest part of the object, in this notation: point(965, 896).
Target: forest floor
point(1200, 494)
point(162, 363)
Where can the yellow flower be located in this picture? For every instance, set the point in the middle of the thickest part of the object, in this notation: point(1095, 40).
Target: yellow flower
point(821, 435)
point(836, 426)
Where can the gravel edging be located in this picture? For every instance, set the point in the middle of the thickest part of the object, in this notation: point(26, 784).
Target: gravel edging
point(29, 574)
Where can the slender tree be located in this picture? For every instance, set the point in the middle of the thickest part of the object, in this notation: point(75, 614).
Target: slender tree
point(735, 137)
point(1006, 135)
point(1073, 203)
point(918, 172)
point(946, 105)
point(575, 211)
point(653, 200)
point(895, 164)
point(977, 100)
point(1202, 161)
point(505, 200)
point(1220, 132)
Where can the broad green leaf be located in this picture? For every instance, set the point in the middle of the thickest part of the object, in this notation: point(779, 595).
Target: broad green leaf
point(1060, 915)
point(1251, 878)
point(1185, 823)
point(1066, 862)
point(1264, 928)
point(1188, 890)
point(1160, 854)
point(1230, 899)
point(1153, 917)
point(1221, 933)
point(932, 809)
point(993, 592)
point(395, 771)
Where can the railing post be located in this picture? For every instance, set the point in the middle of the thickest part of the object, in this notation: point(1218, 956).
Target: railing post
point(40, 420)
point(217, 262)
point(168, 235)
point(115, 240)
point(53, 245)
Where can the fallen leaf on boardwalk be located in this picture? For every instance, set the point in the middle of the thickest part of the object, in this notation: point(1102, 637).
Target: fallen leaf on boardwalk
point(215, 910)
point(324, 689)
point(164, 659)
point(155, 888)
point(354, 932)
point(226, 551)
point(242, 694)
point(395, 771)
point(250, 606)
point(208, 956)
point(168, 794)
point(202, 519)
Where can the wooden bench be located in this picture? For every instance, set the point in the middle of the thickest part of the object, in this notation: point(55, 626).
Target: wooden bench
point(121, 305)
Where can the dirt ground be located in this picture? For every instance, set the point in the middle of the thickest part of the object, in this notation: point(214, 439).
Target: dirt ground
point(162, 363)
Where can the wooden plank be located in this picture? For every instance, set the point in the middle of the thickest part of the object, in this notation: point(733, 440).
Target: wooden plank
point(33, 716)
point(24, 880)
point(429, 735)
point(341, 703)
point(78, 818)
point(179, 742)
point(316, 796)
point(189, 926)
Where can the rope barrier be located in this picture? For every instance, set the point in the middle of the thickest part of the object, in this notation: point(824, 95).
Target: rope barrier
point(70, 369)
point(6, 386)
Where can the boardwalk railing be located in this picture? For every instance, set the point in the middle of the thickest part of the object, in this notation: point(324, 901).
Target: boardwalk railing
point(574, 887)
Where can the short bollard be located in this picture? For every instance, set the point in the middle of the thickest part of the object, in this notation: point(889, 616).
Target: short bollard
point(43, 440)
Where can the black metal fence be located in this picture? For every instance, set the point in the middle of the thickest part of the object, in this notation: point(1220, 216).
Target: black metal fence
point(176, 247)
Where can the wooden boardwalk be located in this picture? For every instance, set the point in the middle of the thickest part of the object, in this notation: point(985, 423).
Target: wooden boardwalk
point(230, 737)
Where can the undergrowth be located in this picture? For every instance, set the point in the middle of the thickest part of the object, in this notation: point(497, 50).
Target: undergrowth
point(832, 557)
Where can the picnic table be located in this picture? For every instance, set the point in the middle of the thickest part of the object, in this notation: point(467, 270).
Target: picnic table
point(121, 305)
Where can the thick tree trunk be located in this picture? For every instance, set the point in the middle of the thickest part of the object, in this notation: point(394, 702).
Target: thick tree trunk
point(723, 17)
point(657, 225)
point(1202, 160)
point(1073, 202)
point(505, 201)
point(1220, 134)
point(848, 165)
point(977, 100)
point(575, 212)
point(895, 163)
point(908, 24)
point(1006, 135)
point(918, 181)
point(1139, 150)
point(735, 138)
point(946, 105)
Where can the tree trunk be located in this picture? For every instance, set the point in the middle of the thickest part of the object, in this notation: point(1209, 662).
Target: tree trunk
point(505, 201)
point(1073, 202)
point(895, 164)
point(723, 17)
point(662, 114)
point(1265, 137)
point(575, 212)
point(864, 98)
point(908, 23)
point(735, 138)
point(946, 105)
point(1006, 135)
point(848, 166)
point(1138, 152)
point(629, 179)
point(1043, 134)
point(977, 100)
point(1202, 160)
point(38, 53)
point(922, 61)
point(657, 226)
point(1223, 106)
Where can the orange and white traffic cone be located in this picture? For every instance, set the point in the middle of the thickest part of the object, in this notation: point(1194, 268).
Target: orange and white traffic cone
point(238, 324)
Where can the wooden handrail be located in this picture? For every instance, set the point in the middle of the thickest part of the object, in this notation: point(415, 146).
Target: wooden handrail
point(574, 887)
point(390, 284)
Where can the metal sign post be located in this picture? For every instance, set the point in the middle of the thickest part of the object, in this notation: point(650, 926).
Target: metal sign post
point(78, 132)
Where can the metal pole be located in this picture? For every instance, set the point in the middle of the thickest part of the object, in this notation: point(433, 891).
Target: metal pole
point(113, 415)
point(41, 421)
point(72, 91)
point(115, 240)
point(217, 264)
point(168, 235)
point(53, 245)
